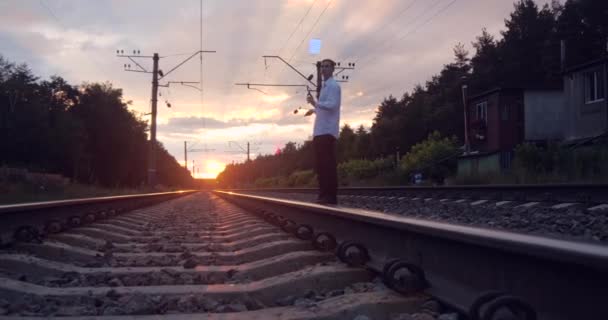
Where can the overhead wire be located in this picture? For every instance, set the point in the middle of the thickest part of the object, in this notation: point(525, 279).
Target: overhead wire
point(310, 31)
point(367, 58)
point(388, 45)
point(427, 20)
point(410, 32)
point(388, 42)
point(44, 5)
point(177, 54)
point(61, 23)
point(202, 92)
point(384, 26)
point(297, 26)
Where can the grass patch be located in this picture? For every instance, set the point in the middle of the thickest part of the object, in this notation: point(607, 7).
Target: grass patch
point(22, 186)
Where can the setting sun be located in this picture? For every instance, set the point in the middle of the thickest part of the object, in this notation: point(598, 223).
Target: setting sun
point(212, 169)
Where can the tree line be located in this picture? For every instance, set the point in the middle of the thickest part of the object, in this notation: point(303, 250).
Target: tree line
point(86, 132)
point(527, 54)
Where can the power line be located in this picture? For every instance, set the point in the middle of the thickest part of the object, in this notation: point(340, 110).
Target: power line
point(64, 26)
point(43, 4)
point(394, 85)
point(201, 49)
point(387, 45)
point(311, 30)
point(376, 31)
point(176, 54)
point(202, 94)
point(428, 20)
point(296, 28)
point(388, 41)
point(411, 31)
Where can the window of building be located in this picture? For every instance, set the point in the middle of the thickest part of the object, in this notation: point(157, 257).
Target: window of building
point(505, 113)
point(506, 159)
point(594, 86)
point(482, 111)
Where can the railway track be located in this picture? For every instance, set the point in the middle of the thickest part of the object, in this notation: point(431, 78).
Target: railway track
point(587, 194)
point(232, 255)
point(477, 271)
point(576, 212)
point(193, 256)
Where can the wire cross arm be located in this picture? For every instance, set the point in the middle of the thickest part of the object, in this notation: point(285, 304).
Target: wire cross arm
point(132, 56)
point(250, 85)
point(294, 69)
point(201, 150)
point(139, 66)
point(186, 60)
point(231, 143)
point(141, 71)
point(183, 83)
point(270, 84)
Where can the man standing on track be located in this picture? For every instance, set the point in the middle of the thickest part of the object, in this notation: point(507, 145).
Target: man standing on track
point(325, 133)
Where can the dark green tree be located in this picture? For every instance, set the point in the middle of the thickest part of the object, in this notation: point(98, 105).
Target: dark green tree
point(346, 144)
point(485, 63)
point(528, 49)
point(362, 143)
point(584, 27)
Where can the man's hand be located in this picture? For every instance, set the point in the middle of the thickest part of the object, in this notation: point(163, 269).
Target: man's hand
point(311, 100)
point(309, 112)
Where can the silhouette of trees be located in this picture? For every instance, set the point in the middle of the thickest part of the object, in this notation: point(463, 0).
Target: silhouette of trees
point(86, 133)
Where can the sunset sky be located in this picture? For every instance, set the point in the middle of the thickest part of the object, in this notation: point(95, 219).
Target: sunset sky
point(395, 43)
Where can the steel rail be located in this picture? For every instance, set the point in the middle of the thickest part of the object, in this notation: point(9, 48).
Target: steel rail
point(588, 193)
point(560, 279)
point(32, 220)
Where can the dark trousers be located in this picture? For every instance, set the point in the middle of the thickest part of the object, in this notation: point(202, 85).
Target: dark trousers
point(325, 166)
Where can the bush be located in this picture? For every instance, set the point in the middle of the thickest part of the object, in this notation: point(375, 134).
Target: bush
point(431, 157)
point(35, 182)
point(304, 178)
point(266, 182)
point(20, 185)
point(353, 171)
point(533, 164)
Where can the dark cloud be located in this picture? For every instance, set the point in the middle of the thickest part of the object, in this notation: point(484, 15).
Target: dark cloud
point(191, 124)
point(292, 119)
point(186, 124)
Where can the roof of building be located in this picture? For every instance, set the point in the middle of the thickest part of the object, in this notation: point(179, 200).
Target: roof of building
point(515, 89)
point(586, 65)
point(477, 154)
point(601, 139)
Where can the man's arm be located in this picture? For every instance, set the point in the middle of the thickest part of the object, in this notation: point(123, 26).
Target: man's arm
point(333, 98)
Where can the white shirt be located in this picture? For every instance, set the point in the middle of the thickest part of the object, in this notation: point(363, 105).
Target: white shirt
point(327, 110)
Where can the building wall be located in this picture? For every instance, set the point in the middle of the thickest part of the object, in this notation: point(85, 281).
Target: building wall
point(493, 139)
point(583, 120)
point(489, 164)
point(544, 114)
point(512, 126)
point(503, 133)
point(491, 142)
point(476, 165)
point(465, 167)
